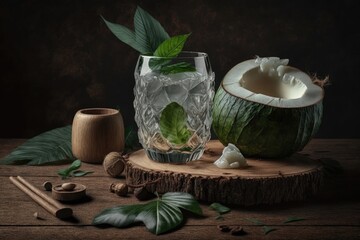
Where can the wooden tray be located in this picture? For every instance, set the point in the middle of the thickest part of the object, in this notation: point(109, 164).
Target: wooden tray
point(263, 182)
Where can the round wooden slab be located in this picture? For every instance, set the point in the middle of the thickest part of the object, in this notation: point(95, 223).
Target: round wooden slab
point(262, 182)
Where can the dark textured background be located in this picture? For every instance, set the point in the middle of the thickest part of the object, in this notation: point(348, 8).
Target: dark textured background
point(58, 56)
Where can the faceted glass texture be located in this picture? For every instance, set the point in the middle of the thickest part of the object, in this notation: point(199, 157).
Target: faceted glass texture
point(192, 88)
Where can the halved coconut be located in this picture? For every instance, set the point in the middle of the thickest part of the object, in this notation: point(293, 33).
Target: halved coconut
point(267, 109)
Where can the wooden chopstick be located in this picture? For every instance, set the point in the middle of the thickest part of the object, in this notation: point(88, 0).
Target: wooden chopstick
point(42, 199)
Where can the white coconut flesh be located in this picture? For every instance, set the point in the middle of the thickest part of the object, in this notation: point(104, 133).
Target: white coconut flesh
point(271, 82)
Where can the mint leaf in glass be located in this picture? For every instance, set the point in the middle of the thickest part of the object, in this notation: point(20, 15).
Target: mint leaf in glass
point(177, 68)
point(173, 124)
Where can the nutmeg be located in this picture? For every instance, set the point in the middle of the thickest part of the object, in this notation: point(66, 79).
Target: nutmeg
point(114, 164)
point(119, 189)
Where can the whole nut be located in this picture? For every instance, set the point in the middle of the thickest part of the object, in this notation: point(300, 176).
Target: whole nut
point(114, 164)
point(68, 186)
point(119, 189)
point(47, 186)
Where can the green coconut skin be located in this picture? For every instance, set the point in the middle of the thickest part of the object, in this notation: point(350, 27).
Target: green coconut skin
point(260, 130)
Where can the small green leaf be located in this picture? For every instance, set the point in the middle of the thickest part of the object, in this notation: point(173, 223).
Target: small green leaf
point(126, 35)
point(75, 165)
point(177, 68)
point(219, 217)
point(66, 172)
point(159, 216)
point(294, 219)
point(80, 173)
point(49, 148)
point(173, 124)
point(221, 209)
point(148, 31)
point(172, 46)
point(158, 63)
point(256, 221)
point(267, 229)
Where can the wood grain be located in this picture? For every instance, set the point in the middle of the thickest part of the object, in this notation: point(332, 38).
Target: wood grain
point(263, 182)
point(334, 213)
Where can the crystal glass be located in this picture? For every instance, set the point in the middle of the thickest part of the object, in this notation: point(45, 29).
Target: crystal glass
point(186, 80)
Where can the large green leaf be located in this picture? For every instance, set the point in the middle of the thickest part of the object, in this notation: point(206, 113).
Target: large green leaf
point(52, 147)
point(148, 31)
point(172, 46)
point(159, 216)
point(173, 124)
point(182, 200)
point(126, 35)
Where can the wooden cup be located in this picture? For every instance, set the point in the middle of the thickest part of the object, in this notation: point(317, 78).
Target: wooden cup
point(96, 132)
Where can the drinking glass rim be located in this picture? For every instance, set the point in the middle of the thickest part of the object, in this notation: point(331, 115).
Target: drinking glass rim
point(195, 55)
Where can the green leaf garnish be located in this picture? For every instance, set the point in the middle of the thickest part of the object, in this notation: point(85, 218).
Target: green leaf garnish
point(173, 124)
point(150, 38)
point(159, 216)
point(267, 229)
point(221, 209)
point(148, 31)
point(148, 34)
point(172, 46)
point(49, 148)
point(177, 68)
point(294, 219)
point(125, 35)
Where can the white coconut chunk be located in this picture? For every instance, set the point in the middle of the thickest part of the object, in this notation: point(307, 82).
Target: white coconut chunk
point(231, 158)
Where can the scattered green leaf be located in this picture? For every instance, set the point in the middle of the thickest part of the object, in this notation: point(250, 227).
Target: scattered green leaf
point(159, 216)
point(72, 171)
point(221, 209)
point(267, 229)
point(173, 124)
point(294, 219)
point(80, 173)
point(219, 217)
point(49, 148)
point(256, 221)
point(67, 171)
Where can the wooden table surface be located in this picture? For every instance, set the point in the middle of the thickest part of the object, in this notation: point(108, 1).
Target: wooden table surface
point(332, 214)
